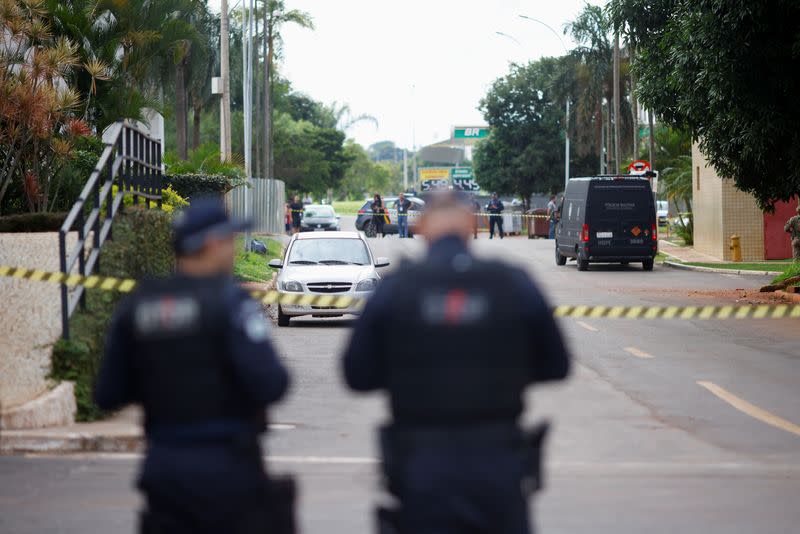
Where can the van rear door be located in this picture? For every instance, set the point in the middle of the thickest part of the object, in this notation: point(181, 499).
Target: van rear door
point(621, 217)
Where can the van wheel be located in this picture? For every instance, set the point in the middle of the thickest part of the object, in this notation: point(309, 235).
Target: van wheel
point(560, 259)
point(647, 265)
point(283, 319)
point(583, 265)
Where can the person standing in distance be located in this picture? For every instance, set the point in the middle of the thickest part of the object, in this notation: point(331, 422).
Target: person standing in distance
point(378, 215)
point(454, 454)
point(476, 208)
point(403, 205)
point(194, 351)
point(552, 216)
point(495, 208)
point(297, 213)
point(793, 227)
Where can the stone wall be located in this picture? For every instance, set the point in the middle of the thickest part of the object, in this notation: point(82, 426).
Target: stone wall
point(30, 318)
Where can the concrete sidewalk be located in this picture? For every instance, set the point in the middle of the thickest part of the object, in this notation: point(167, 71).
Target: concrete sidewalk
point(685, 254)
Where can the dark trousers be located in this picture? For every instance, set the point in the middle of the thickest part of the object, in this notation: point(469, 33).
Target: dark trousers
point(495, 220)
point(462, 488)
point(204, 488)
point(378, 221)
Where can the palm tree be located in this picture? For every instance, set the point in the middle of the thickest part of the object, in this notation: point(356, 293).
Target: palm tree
point(275, 17)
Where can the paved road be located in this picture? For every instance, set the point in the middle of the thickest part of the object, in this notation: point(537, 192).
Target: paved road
point(664, 426)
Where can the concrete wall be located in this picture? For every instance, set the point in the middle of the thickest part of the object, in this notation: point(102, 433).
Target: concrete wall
point(30, 318)
point(720, 211)
point(707, 206)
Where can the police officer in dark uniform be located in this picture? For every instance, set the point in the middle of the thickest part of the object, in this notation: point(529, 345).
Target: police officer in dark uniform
point(454, 455)
point(495, 207)
point(194, 350)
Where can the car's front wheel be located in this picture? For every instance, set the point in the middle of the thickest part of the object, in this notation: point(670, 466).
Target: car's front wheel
point(283, 319)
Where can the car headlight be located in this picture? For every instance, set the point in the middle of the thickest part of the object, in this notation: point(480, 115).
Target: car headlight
point(367, 285)
point(291, 285)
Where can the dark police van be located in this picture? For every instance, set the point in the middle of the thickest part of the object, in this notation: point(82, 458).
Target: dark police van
point(607, 220)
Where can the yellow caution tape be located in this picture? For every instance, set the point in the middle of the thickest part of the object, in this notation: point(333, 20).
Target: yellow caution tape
point(480, 214)
point(746, 311)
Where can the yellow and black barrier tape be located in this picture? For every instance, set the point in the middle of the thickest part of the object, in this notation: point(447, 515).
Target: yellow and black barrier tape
point(732, 312)
point(477, 214)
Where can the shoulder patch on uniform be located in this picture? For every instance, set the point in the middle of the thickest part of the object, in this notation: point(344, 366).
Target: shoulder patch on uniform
point(166, 314)
point(250, 318)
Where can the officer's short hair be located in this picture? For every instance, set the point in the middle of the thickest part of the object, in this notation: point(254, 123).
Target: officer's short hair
point(448, 200)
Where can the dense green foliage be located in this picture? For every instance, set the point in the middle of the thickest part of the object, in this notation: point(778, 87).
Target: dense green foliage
point(141, 246)
point(365, 177)
point(32, 222)
point(524, 151)
point(192, 185)
point(729, 72)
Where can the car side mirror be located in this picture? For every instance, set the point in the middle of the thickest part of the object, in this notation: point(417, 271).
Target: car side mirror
point(382, 262)
point(276, 263)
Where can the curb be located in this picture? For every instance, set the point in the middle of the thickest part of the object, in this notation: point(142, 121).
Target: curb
point(68, 442)
point(676, 265)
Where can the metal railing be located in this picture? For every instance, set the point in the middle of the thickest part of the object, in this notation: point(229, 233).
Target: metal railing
point(131, 160)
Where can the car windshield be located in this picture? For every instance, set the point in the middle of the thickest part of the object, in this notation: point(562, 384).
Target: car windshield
point(333, 251)
point(319, 211)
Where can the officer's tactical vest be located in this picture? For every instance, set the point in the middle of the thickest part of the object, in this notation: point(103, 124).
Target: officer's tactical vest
point(462, 353)
point(181, 362)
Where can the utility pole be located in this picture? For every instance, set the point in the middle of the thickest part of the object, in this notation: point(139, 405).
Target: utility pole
point(225, 105)
point(617, 162)
point(268, 55)
point(566, 149)
point(405, 170)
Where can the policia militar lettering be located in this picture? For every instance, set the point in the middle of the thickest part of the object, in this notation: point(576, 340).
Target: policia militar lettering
point(194, 350)
point(454, 455)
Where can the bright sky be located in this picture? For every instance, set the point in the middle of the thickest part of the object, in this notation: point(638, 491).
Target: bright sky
point(416, 65)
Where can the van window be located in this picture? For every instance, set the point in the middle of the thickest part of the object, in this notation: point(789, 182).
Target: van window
point(620, 200)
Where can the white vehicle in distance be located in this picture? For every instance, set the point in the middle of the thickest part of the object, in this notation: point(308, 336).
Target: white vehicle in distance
point(326, 263)
point(662, 211)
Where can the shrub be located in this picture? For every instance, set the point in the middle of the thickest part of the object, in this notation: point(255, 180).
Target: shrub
point(32, 222)
point(170, 200)
point(141, 246)
point(192, 185)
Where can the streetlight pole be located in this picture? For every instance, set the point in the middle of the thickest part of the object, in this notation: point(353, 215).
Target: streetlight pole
point(566, 121)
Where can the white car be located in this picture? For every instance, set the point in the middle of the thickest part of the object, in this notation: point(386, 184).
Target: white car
point(662, 211)
point(326, 263)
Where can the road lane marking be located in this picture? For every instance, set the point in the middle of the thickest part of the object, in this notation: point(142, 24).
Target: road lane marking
point(750, 409)
point(638, 353)
point(588, 327)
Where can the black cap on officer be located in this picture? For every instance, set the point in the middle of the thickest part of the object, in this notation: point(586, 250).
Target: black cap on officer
point(205, 217)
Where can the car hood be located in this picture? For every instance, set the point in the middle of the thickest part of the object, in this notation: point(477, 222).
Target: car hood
point(328, 273)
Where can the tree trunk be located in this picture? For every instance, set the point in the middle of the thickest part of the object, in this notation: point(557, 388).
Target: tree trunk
point(617, 161)
point(651, 142)
point(634, 115)
point(181, 110)
point(608, 138)
point(598, 132)
point(197, 110)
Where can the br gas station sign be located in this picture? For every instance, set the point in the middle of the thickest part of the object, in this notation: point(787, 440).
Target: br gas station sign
point(475, 133)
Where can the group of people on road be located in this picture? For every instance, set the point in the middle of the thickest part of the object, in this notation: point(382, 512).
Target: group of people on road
point(195, 350)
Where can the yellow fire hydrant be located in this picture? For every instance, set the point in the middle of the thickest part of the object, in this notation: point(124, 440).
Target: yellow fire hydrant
point(736, 248)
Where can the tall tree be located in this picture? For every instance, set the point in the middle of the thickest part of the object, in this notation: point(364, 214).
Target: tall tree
point(726, 70)
point(275, 17)
point(524, 152)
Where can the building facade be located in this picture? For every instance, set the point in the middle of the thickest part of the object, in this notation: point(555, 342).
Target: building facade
point(721, 211)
